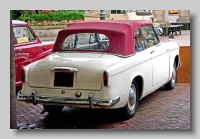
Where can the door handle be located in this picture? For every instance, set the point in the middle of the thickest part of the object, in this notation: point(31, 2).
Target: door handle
point(152, 52)
point(167, 49)
point(19, 50)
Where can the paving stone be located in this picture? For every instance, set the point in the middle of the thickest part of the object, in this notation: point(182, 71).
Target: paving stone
point(32, 125)
point(21, 124)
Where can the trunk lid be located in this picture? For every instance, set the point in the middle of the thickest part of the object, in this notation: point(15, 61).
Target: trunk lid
point(71, 70)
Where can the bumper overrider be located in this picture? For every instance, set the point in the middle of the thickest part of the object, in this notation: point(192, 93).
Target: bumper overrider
point(91, 101)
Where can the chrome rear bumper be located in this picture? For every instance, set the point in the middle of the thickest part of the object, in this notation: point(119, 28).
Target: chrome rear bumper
point(91, 101)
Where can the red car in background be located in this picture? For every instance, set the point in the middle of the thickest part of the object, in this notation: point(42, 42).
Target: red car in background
point(27, 47)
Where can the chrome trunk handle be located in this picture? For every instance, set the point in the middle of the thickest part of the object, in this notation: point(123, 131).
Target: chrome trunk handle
point(64, 69)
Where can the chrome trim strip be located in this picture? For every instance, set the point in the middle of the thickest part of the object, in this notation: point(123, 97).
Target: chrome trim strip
point(99, 102)
point(76, 51)
point(64, 68)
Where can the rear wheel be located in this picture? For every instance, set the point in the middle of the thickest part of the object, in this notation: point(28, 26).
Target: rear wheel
point(172, 83)
point(53, 109)
point(130, 108)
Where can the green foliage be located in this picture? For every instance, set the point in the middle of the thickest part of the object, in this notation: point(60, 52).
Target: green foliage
point(16, 14)
point(52, 16)
point(25, 15)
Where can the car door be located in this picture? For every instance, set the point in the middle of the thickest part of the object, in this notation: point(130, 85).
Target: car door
point(142, 58)
point(160, 63)
point(159, 55)
point(27, 47)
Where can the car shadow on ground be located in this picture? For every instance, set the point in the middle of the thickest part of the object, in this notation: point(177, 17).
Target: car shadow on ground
point(83, 118)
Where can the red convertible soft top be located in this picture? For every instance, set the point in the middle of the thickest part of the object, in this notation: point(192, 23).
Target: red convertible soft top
point(119, 32)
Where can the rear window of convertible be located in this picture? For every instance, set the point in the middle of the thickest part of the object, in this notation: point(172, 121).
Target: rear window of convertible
point(85, 41)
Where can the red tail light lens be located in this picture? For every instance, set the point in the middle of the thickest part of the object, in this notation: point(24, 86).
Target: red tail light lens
point(105, 78)
point(22, 75)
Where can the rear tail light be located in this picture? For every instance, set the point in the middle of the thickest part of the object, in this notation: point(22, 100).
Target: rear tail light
point(105, 78)
point(22, 75)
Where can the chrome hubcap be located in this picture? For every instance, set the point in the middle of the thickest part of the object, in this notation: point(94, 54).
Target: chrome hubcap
point(132, 98)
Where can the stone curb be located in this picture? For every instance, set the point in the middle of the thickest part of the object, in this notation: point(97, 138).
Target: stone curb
point(48, 27)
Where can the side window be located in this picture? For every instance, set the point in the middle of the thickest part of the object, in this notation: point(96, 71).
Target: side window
point(149, 36)
point(23, 35)
point(30, 34)
point(139, 41)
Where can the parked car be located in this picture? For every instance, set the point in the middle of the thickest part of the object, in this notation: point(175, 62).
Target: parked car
point(27, 47)
point(105, 64)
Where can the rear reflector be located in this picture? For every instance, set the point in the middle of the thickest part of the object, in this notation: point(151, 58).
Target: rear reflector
point(105, 78)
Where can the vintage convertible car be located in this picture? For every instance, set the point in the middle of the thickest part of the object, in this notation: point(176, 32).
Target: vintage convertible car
point(106, 64)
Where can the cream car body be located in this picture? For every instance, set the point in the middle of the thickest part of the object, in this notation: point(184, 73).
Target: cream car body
point(114, 77)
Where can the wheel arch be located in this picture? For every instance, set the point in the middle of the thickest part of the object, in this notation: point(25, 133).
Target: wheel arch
point(173, 60)
point(177, 61)
point(140, 82)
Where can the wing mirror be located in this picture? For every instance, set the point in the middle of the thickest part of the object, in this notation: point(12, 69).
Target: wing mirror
point(159, 31)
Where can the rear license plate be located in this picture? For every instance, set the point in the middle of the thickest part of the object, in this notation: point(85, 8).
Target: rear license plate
point(65, 79)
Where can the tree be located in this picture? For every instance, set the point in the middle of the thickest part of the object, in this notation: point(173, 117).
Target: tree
point(12, 79)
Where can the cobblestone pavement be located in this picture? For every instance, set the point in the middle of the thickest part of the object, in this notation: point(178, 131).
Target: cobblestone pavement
point(182, 40)
point(159, 110)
